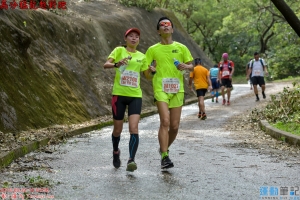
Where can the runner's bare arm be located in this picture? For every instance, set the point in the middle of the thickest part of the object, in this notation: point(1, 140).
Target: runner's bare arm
point(149, 73)
point(209, 83)
point(186, 66)
point(231, 74)
point(249, 72)
point(220, 74)
point(110, 64)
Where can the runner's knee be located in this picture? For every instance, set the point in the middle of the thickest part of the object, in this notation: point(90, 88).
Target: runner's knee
point(133, 129)
point(165, 122)
point(174, 129)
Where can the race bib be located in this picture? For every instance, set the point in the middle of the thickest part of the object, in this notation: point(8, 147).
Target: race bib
point(257, 72)
point(171, 85)
point(129, 78)
point(225, 73)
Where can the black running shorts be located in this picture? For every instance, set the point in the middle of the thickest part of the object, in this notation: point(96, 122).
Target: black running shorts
point(258, 80)
point(119, 103)
point(201, 92)
point(226, 82)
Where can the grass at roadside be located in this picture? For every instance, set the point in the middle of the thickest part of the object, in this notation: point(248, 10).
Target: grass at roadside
point(283, 110)
point(289, 79)
point(293, 128)
point(239, 80)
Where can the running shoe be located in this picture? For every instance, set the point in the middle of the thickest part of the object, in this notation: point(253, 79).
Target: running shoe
point(264, 96)
point(224, 101)
point(199, 115)
point(257, 99)
point(212, 100)
point(131, 166)
point(217, 101)
point(203, 117)
point(166, 163)
point(228, 103)
point(116, 160)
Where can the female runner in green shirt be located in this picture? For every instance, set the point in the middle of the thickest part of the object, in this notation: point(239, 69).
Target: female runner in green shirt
point(128, 63)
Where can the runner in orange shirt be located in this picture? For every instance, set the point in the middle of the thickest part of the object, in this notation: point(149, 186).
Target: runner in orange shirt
point(202, 82)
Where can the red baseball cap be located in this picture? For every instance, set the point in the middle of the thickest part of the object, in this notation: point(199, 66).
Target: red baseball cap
point(133, 30)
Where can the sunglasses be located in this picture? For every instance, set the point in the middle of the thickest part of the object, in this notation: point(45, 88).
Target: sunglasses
point(165, 24)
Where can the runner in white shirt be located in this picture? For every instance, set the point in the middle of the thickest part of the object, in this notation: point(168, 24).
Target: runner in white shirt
point(258, 69)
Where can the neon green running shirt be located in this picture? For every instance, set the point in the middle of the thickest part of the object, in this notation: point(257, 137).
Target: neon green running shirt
point(128, 82)
point(165, 68)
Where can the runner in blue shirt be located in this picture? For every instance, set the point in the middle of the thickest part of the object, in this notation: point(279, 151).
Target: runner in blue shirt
point(215, 82)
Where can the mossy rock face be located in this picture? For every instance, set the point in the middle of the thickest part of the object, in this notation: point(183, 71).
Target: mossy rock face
point(7, 159)
point(51, 70)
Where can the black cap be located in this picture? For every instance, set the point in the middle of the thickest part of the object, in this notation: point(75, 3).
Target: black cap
point(197, 61)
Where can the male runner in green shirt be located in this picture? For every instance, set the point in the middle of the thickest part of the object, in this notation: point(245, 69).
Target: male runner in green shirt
point(168, 84)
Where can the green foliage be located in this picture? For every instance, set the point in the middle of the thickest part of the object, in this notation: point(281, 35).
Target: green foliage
point(38, 181)
point(241, 79)
point(239, 28)
point(282, 138)
point(6, 184)
point(283, 109)
point(284, 56)
point(219, 26)
point(146, 4)
point(288, 127)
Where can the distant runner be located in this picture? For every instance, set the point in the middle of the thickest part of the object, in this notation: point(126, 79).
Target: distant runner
point(257, 70)
point(226, 70)
point(214, 78)
point(201, 78)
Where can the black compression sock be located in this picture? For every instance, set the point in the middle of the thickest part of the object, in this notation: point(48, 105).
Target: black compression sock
point(115, 141)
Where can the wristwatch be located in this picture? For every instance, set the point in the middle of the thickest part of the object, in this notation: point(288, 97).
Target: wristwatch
point(115, 65)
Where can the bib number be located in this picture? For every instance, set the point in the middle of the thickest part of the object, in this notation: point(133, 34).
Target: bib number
point(129, 78)
point(257, 72)
point(225, 73)
point(171, 85)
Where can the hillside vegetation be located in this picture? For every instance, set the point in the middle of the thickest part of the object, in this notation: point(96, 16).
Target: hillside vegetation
point(239, 28)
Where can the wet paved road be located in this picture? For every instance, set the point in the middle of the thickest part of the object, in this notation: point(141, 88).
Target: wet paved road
point(206, 166)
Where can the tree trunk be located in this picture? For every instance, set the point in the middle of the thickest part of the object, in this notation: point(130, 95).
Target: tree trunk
point(288, 14)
